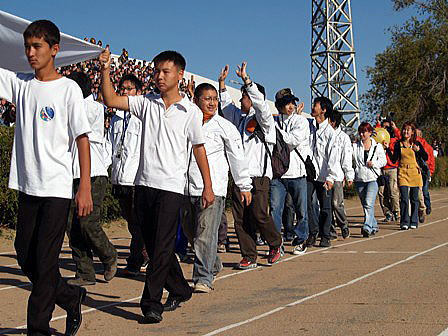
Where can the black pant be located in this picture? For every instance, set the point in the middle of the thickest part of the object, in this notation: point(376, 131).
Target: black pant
point(323, 224)
point(157, 212)
point(249, 219)
point(137, 251)
point(41, 224)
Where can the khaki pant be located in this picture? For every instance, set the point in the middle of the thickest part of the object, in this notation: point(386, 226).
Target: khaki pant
point(388, 194)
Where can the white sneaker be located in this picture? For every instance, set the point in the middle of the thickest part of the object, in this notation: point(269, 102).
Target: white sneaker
point(202, 288)
point(405, 227)
point(299, 249)
point(413, 226)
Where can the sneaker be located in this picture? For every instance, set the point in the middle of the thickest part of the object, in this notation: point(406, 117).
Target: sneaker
point(299, 249)
point(202, 288)
point(274, 255)
point(345, 232)
point(246, 263)
point(78, 281)
point(404, 227)
point(389, 217)
point(260, 241)
point(396, 216)
point(421, 216)
point(324, 242)
point(221, 248)
point(365, 233)
point(428, 211)
point(282, 250)
point(311, 240)
point(413, 227)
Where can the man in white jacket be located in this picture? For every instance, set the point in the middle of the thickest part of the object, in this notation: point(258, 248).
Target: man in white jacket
point(344, 173)
point(324, 156)
point(224, 150)
point(296, 132)
point(124, 140)
point(253, 117)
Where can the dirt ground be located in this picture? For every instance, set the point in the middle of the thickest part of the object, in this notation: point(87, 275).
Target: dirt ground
point(394, 283)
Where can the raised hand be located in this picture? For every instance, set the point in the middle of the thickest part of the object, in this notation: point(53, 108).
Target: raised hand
point(300, 108)
point(104, 58)
point(191, 86)
point(242, 73)
point(223, 74)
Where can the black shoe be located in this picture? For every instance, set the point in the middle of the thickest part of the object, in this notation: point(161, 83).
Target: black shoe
point(172, 304)
point(428, 211)
point(151, 317)
point(345, 232)
point(297, 241)
point(311, 240)
point(74, 317)
point(365, 233)
point(324, 242)
point(110, 270)
point(78, 281)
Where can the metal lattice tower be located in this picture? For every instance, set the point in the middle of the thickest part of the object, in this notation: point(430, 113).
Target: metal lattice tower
point(333, 67)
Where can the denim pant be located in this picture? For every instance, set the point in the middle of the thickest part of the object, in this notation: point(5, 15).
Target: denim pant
point(297, 188)
point(320, 224)
point(367, 192)
point(206, 224)
point(407, 193)
point(425, 190)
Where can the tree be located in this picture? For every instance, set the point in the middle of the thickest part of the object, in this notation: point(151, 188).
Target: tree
point(409, 79)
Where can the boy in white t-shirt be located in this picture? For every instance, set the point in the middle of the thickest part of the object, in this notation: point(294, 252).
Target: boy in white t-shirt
point(50, 117)
point(171, 124)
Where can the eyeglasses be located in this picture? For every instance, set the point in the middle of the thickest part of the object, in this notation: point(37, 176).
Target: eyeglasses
point(210, 99)
point(128, 88)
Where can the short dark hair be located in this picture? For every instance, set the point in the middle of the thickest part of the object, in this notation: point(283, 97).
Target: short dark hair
point(173, 56)
point(325, 104)
point(336, 117)
point(133, 79)
point(43, 29)
point(259, 87)
point(365, 126)
point(202, 87)
point(83, 81)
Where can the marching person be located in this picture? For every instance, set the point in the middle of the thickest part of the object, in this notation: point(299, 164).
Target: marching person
point(296, 132)
point(253, 118)
point(369, 158)
point(224, 150)
point(324, 156)
point(344, 173)
point(171, 124)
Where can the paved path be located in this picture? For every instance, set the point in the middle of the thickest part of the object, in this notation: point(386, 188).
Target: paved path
point(395, 283)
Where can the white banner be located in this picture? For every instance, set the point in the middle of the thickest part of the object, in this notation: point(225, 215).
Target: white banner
point(12, 55)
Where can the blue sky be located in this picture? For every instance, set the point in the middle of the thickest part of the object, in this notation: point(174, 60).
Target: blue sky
point(273, 37)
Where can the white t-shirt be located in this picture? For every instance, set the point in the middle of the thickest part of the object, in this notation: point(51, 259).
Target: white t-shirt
point(95, 115)
point(166, 137)
point(50, 116)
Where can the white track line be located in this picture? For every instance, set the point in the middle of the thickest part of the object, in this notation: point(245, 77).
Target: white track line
point(242, 272)
point(444, 333)
point(351, 282)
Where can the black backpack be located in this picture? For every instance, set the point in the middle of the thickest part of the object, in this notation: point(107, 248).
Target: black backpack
point(280, 155)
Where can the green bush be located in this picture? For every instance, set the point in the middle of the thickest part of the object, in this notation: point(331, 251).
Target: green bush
point(440, 176)
point(8, 197)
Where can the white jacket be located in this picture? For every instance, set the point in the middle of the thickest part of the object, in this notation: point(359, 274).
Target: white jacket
point(296, 133)
point(124, 164)
point(323, 149)
point(362, 172)
point(95, 115)
point(254, 149)
point(344, 166)
point(223, 147)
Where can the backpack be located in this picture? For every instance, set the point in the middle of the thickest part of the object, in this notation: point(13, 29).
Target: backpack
point(280, 155)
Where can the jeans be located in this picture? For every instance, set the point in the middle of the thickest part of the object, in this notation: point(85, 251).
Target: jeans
point(388, 194)
point(206, 224)
point(319, 224)
point(367, 192)
point(407, 193)
point(288, 218)
point(425, 190)
point(297, 188)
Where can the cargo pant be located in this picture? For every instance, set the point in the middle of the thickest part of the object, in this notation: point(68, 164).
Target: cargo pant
point(86, 235)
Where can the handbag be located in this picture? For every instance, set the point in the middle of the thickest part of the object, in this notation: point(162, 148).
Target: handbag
point(309, 167)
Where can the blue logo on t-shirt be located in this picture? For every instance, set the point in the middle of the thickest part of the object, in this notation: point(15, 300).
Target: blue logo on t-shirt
point(47, 113)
